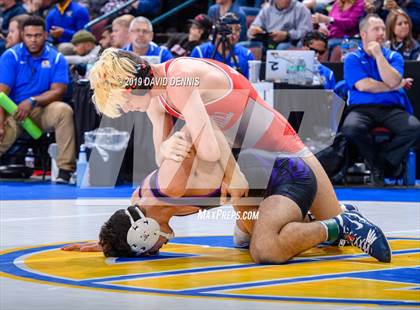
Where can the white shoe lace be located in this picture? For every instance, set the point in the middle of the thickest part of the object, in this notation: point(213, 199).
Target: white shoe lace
point(364, 243)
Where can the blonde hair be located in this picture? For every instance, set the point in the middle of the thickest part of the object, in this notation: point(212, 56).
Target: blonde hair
point(123, 20)
point(107, 76)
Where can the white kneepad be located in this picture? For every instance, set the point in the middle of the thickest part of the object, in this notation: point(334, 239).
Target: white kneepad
point(240, 238)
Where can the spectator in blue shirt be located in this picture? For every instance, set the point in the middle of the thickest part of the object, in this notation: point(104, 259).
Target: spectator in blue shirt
point(141, 35)
point(318, 42)
point(65, 19)
point(35, 76)
point(375, 78)
point(235, 56)
point(228, 6)
point(10, 10)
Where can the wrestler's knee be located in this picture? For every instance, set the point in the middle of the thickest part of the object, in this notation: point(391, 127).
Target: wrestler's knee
point(263, 251)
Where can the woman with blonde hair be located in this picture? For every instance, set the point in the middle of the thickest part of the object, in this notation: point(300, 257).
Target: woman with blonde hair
point(399, 34)
point(199, 91)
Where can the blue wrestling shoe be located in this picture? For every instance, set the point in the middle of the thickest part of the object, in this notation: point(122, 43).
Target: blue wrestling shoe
point(361, 233)
point(349, 207)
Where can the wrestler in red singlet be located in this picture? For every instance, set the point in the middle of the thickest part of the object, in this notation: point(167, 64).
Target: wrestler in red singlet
point(242, 113)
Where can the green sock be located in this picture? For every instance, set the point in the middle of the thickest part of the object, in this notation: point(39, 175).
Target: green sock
point(331, 227)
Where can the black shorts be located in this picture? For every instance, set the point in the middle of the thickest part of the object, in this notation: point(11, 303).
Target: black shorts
point(268, 174)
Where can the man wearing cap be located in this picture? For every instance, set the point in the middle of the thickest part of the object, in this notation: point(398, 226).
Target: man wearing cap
point(198, 33)
point(141, 35)
point(85, 47)
point(233, 55)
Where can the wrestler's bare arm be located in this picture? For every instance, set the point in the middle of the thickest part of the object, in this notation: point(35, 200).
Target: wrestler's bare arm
point(188, 101)
point(162, 128)
point(234, 182)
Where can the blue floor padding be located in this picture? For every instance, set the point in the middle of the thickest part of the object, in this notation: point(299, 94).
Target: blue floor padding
point(45, 191)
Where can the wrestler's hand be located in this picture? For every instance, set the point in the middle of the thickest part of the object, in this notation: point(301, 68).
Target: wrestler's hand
point(177, 147)
point(237, 187)
point(83, 247)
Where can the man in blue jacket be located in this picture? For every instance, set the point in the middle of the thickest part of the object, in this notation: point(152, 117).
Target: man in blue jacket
point(65, 19)
point(375, 78)
point(35, 76)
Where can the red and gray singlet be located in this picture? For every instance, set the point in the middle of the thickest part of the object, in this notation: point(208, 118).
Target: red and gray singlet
point(246, 120)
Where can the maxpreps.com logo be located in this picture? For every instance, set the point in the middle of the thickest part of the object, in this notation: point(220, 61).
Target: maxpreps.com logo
point(197, 266)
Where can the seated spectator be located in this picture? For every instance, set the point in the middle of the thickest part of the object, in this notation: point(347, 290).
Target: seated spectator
point(228, 6)
point(286, 22)
point(11, 8)
point(235, 56)
point(317, 42)
point(141, 36)
point(105, 40)
point(383, 7)
point(119, 34)
point(342, 21)
point(65, 19)
point(198, 32)
point(15, 29)
point(374, 76)
point(36, 80)
point(85, 47)
point(398, 31)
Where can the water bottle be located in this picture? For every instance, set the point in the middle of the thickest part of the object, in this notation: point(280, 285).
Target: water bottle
point(30, 159)
point(345, 47)
point(301, 72)
point(81, 166)
point(291, 71)
point(411, 168)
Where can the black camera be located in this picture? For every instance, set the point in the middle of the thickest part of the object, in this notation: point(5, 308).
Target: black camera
point(223, 24)
point(265, 39)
